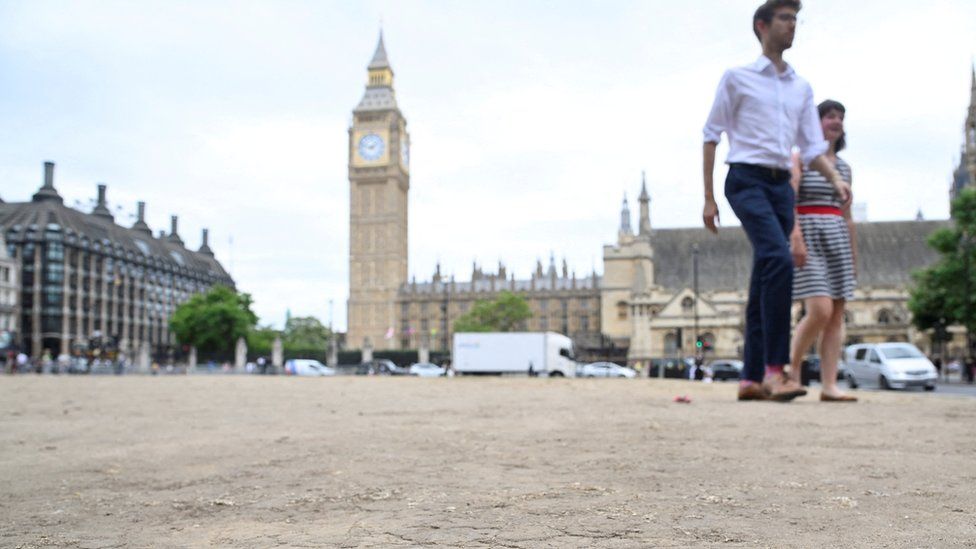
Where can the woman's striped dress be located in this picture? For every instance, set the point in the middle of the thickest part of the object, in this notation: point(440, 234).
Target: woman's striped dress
point(829, 270)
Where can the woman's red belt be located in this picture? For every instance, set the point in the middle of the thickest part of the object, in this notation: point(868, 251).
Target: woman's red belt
point(830, 210)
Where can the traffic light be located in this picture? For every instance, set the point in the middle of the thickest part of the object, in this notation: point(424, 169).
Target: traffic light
point(698, 343)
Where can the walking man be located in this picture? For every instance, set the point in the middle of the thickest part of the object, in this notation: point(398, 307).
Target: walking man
point(766, 109)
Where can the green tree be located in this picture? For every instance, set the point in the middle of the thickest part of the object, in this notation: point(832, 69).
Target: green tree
point(306, 333)
point(503, 314)
point(944, 293)
point(213, 321)
point(260, 340)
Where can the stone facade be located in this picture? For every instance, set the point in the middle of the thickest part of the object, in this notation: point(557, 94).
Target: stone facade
point(9, 295)
point(560, 302)
point(379, 182)
point(965, 174)
point(83, 279)
point(649, 300)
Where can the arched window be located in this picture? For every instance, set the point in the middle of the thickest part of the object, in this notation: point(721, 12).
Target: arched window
point(687, 303)
point(884, 317)
point(621, 310)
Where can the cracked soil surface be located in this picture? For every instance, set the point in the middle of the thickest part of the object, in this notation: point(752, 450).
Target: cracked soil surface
point(249, 461)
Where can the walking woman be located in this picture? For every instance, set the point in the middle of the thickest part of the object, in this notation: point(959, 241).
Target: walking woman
point(824, 247)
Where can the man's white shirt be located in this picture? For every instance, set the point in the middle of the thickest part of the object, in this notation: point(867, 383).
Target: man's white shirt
point(765, 114)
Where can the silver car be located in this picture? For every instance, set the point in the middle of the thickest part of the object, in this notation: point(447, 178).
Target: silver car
point(888, 366)
point(426, 369)
point(606, 369)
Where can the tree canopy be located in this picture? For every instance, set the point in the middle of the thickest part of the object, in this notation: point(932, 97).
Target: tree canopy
point(505, 313)
point(306, 333)
point(942, 295)
point(214, 320)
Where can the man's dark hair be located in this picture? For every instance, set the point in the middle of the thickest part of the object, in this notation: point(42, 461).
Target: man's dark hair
point(826, 107)
point(768, 9)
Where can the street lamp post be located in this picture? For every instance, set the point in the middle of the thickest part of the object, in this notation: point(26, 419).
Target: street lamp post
point(694, 255)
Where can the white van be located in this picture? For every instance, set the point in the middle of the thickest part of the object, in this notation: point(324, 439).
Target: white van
point(307, 367)
point(888, 366)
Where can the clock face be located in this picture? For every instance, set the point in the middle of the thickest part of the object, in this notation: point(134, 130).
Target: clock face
point(371, 147)
point(405, 152)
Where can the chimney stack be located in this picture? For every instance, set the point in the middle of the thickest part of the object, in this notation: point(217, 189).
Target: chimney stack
point(101, 209)
point(205, 248)
point(140, 224)
point(47, 191)
point(174, 235)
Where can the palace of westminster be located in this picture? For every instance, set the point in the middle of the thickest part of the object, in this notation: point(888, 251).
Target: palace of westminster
point(643, 305)
point(69, 278)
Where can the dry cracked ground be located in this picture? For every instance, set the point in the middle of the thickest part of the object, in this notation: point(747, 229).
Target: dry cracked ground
point(238, 461)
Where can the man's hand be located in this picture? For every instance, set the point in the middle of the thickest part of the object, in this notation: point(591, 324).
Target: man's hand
point(798, 247)
point(710, 215)
point(843, 189)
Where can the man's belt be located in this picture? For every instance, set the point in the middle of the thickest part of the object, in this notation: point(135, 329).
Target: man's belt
point(768, 171)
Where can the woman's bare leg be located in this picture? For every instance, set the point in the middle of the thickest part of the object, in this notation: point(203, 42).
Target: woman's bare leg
point(818, 314)
point(830, 346)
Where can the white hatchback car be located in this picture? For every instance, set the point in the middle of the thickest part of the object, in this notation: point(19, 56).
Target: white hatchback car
point(606, 369)
point(888, 366)
point(426, 369)
point(307, 367)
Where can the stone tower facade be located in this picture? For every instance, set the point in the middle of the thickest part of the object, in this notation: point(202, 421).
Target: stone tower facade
point(965, 174)
point(379, 182)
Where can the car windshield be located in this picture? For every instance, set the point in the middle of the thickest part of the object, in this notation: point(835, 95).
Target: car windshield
point(901, 352)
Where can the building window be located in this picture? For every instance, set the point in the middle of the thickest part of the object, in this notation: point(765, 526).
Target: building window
point(670, 343)
point(884, 317)
point(584, 323)
point(687, 303)
point(621, 310)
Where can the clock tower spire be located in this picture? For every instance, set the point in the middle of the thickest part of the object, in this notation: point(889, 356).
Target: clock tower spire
point(379, 181)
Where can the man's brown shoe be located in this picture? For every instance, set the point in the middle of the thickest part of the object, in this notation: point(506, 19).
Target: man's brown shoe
point(781, 388)
point(752, 391)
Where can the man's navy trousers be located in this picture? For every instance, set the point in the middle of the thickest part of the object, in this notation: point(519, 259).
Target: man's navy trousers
point(763, 200)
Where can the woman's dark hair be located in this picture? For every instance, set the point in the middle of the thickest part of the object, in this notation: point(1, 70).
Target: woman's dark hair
point(825, 108)
point(768, 9)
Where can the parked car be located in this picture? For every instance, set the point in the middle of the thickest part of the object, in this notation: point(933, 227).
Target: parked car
point(307, 367)
point(810, 370)
point(671, 367)
point(381, 367)
point(725, 369)
point(888, 366)
point(426, 369)
point(606, 369)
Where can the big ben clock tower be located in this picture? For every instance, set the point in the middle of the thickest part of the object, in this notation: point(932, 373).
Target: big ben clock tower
point(379, 180)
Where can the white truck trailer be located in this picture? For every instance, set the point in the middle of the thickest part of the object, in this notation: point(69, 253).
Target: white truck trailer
point(541, 353)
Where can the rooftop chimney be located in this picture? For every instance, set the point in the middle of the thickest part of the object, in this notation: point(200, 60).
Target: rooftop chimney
point(47, 191)
point(205, 248)
point(174, 235)
point(140, 224)
point(101, 209)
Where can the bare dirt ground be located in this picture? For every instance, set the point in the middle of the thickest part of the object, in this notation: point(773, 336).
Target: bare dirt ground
point(237, 461)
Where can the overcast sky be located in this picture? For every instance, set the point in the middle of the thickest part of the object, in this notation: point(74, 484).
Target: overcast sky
point(529, 119)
